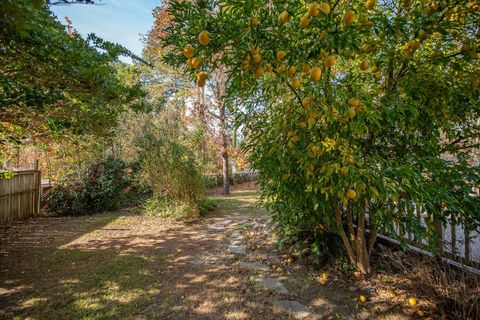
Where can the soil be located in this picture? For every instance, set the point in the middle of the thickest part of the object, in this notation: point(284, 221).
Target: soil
point(123, 265)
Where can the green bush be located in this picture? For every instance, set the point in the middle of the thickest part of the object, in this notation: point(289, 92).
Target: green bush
point(100, 186)
point(169, 168)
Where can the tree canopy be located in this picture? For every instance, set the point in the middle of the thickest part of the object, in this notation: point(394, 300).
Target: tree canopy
point(52, 81)
point(356, 111)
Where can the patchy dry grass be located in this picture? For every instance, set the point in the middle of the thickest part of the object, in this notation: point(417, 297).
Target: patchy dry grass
point(243, 200)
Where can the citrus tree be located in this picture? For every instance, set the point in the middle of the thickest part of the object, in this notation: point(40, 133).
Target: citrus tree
point(359, 114)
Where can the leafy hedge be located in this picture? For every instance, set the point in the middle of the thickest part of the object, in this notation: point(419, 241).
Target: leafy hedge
point(101, 186)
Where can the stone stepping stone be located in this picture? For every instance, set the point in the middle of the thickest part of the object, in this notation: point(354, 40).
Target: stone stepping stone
point(271, 284)
point(298, 310)
point(254, 266)
point(216, 228)
point(226, 222)
point(237, 250)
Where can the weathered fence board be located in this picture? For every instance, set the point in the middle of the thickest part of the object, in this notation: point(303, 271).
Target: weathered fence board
point(20, 195)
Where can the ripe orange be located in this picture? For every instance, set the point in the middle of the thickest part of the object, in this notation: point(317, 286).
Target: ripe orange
point(304, 22)
point(259, 72)
point(370, 4)
point(269, 68)
point(314, 9)
point(306, 68)
point(351, 113)
point(196, 62)
point(350, 194)
point(311, 121)
point(316, 74)
point(322, 281)
point(362, 298)
point(307, 101)
point(245, 65)
point(349, 18)
point(296, 83)
point(344, 171)
point(257, 58)
point(253, 21)
point(204, 38)
point(280, 55)
point(324, 275)
point(291, 71)
point(283, 17)
point(412, 302)
point(353, 102)
point(324, 8)
point(281, 69)
point(201, 78)
point(188, 52)
point(330, 61)
point(391, 294)
point(420, 313)
point(364, 65)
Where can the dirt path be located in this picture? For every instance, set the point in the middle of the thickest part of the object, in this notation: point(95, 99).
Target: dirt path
point(123, 265)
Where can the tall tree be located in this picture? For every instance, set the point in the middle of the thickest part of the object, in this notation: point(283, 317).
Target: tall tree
point(53, 82)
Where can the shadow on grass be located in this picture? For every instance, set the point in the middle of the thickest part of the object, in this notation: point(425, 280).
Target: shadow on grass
point(126, 266)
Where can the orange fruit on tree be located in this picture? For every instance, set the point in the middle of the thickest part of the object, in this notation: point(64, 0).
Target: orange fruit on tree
point(316, 74)
point(324, 8)
point(322, 281)
point(281, 69)
point(330, 61)
point(204, 38)
point(256, 58)
point(280, 55)
point(344, 171)
point(201, 79)
point(349, 18)
point(304, 22)
point(324, 275)
point(296, 83)
point(353, 102)
point(412, 301)
point(307, 101)
point(306, 68)
point(420, 313)
point(350, 194)
point(351, 113)
point(245, 65)
point(188, 52)
point(253, 21)
point(311, 121)
point(259, 72)
point(314, 9)
point(362, 298)
point(196, 62)
point(364, 65)
point(283, 17)
point(291, 71)
point(370, 4)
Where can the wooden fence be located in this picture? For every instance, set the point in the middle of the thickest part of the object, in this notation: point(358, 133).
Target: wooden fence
point(20, 194)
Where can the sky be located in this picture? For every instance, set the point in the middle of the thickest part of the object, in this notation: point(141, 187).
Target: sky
point(119, 21)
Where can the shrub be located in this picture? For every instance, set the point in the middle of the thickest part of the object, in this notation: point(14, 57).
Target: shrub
point(170, 169)
point(100, 186)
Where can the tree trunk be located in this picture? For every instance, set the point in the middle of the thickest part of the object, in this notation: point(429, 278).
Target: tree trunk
point(223, 124)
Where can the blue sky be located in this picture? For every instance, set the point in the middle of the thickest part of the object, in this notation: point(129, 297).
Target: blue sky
point(119, 21)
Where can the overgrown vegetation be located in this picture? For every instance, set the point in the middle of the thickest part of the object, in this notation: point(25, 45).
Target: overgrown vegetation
point(100, 186)
point(351, 109)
